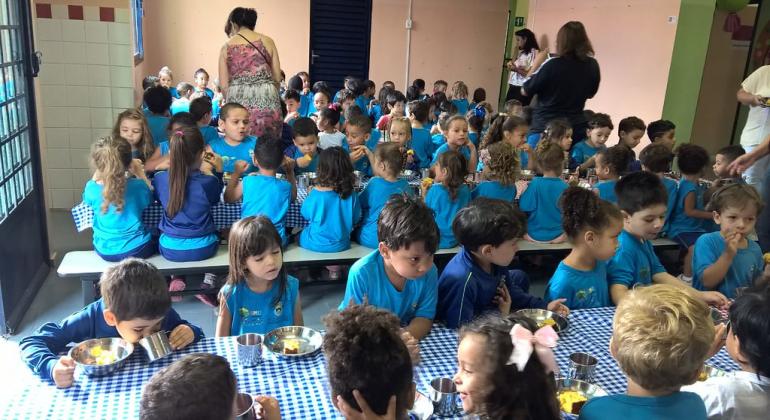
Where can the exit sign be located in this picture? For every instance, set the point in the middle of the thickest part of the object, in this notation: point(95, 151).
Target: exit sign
point(518, 21)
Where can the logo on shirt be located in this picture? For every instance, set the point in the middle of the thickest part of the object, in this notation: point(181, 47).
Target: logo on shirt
point(585, 294)
point(278, 310)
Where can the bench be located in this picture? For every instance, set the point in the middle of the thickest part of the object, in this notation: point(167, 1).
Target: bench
point(88, 266)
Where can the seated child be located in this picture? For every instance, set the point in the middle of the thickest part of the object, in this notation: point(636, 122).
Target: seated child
point(328, 135)
point(460, 97)
point(513, 107)
point(727, 260)
point(611, 164)
point(479, 96)
point(158, 101)
point(661, 335)
point(599, 130)
point(236, 144)
point(592, 226)
point(200, 109)
point(501, 164)
point(491, 386)
point(262, 192)
point(400, 132)
point(687, 218)
point(540, 200)
point(456, 134)
point(360, 143)
point(259, 295)
point(630, 132)
point(449, 193)
point(368, 365)
point(388, 163)
point(477, 279)
point(134, 304)
point(201, 77)
point(724, 157)
point(642, 199)
point(321, 100)
point(663, 132)
point(396, 102)
point(166, 79)
point(160, 156)
point(421, 139)
point(511, 130)
point(559, 131)
point(743, 394)
point(331, 207)
point(440, 86)
point(133, 126)
point(437, 132)
point(657, 158)
point(305, 148)
point(344, 102)
point(182, 103)
point(292, 100)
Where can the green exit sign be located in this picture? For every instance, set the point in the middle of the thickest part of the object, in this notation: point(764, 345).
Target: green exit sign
point(518, 21)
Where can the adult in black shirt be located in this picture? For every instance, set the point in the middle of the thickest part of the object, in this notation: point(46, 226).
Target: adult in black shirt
point(563, 83)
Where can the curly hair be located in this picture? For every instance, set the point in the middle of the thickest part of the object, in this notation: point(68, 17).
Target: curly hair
point(582, 210)
point(392, 156)
point(336, 171)
point(456, 168)
point(111, 157)
point(364, 351)
point(691, 158)
point(511, 394)
point(459, 90)
point(500, 124)
point(556, 129)
point(616, 158)
point(146, 145)
point(503, 164)
point(550, 156)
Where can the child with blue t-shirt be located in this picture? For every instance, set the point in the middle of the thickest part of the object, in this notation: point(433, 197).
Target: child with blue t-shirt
point(305, 148)
point(611, 164)
point(236, 144)
point(399, 275)
point(457, 140)
point(262, 192)
point(158, 101)
point(132, 126)
point(448, 195)
point(475, 126)
point(388, 163)
point(182, 103)
point(292, 100)
point(460, 97)
point(674, 325)
point(501, 164)
point(630, 133)
point(400, 132)
point(477, 280)
point(332, 207)
point(599, 130)
point(728, 260)
point(118, 202)
point(200, 110)
point(166, 79)
point(657, 158)
point(201, 77)
point(592, 226)
point(511, 130)
point(421, 139)
point(259, 295)
point(360, 143)
point(540, 200)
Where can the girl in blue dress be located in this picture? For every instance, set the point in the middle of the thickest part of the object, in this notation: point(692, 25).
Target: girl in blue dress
point(448, 195)
point(501, 163)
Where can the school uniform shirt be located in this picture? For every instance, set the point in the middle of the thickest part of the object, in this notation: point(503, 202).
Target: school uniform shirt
point(362, 102)
point(158, 126)
point(375, 113)
point(438, 140)
point(327, 140)
point(193, 226)
point(440, 201)
point(294, 153)
point(679, 405)
point(582, 151)
point(466, 291)
point(119, 232)
point(331, 220)
point(671, 188)
point(422, 146)
point(209, 133)
point(606, 190)
point(207, 91)
point(373, 198)
point(474, 138)
point(634, 262)
point(268, 196)
point(462, 105)
point(174, 92)
point(582, 289)
point(180, 105)
point(737, 395)
point(253, 312)
point(747, 264)
point(310, 105)
point(465, 150)
point(369, 283)
point(494, 189)
point(304, 106)
point(230, 154)
point(680, 222)
point(40, 351)
point(541, 203)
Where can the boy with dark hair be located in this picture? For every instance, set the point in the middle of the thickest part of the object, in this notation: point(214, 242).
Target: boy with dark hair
point(236, 144)
point(158, 101)
point(200, 109)
point(724, 157)
point(367, 363)
point(599, 130)
point(305, 148)
point(477, 280)
point(630, 132)
point(662, 131)
point(135, 304)
point(657, 158)
point(422, 143)
point(150, 81)
point(400, 276)
point(292, 99)
point(360, 143)
point(642, 200)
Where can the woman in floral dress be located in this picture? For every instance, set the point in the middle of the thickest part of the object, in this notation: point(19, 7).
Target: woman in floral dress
point(250, 71)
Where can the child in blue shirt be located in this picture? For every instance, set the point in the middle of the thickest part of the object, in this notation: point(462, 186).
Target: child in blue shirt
point(166, 79)
point(200, 110)
point(399, 275)
point(592, 226)
point(132, 126)
point(201, 83)
point(475, 126)
point(599, 130)
point(360, 144)
point(135, 304)
point(118, 202)
point(727, 260)
point(477, 280)
point(305, 148)
point(722, 160)
point(501, 164)
point(236, 144)
point(456, 134)
point(292, 100)
point(259, 295)
point(512, 130)
point(630, 133)
point(421, 139)
point(332, 207)
point(301, 104)
point(448, 195)
point(674, 325)
point(388, 163)
point(611, 164)
point(158, 101)
point(182, 103)
point(657, 158)
point(540, 200)
point(460, 97)
point(160, 160)
point(662, 132)
point(321, 100)
point(400, 132)
point(263, 193)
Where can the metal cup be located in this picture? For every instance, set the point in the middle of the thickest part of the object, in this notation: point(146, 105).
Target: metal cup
point(156, 346)
point(245, 407)
point(425, 173)
point(359, 177)
point(249, 349)
point(443, 394)
point(582, 367)
point(303, 181)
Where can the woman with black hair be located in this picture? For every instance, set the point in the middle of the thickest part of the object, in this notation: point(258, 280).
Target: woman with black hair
point(528, 49)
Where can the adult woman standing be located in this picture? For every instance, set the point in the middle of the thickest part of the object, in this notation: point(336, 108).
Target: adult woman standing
point(754, 92)
point(250, 72)
point(528, 49)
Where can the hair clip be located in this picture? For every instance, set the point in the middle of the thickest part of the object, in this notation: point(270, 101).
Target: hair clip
point(179, 133)
point(540, 343)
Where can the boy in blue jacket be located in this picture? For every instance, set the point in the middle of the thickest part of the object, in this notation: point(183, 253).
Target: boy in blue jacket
point(135, 304)
point(477, 280)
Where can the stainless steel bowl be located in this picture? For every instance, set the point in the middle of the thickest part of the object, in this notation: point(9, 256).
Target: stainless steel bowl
point(539, 316)
point(407, 174)
point(583, 388)
point(156, 346)
point(307, 339)
point(246, 407)
point(85, 355)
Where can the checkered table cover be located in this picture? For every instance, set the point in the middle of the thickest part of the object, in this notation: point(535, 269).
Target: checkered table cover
point(299, 384)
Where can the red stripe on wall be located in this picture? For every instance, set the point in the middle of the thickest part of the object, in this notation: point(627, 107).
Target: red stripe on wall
point(43, 11)
point(107, 14)
point(75, 12)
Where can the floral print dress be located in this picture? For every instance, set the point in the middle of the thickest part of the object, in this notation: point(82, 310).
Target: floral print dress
point(252, 85)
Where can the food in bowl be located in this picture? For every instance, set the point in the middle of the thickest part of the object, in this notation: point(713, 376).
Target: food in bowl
point(290, 346)
point(547, 322)
point(101, 356)
point(571, 401)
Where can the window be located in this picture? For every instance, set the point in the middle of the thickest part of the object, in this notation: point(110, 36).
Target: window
point(137, 14)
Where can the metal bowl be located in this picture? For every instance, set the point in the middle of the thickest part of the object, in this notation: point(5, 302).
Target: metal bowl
point(710, 372)
point(85, 355)
point(307, 339)
point(156, 346)
point(717, 317)
point(422, 408)
point(246, 407)
point(406, 173)
point(539, 316)
point(583, 388)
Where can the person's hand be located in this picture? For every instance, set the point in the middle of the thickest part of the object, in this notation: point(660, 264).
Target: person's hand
point(356, 153)
point(366, 412)
point(758, 100)
point(64, 372)
point(732, 242)
point(291, 116)
point(525, 147)
point(425, 185)
point(412, 344)
point(719, 340)
point(270, 410)
point(503, 300)
point(137, 168)
point(509, 65)
point(558, 306)
point(714, 299)
point(181, 336)
point(741, 163)
point(240, 167)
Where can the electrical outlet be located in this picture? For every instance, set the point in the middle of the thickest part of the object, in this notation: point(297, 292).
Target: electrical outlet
point(409, 24)
point(671, 19)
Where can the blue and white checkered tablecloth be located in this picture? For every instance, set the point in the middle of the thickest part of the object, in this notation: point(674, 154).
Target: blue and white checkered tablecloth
point(300, 384)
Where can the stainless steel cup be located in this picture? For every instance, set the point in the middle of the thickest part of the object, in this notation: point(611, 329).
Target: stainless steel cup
point(582, 367)
point(156, 346)
point(425, 173)
point(443, 394)
point(249, 349)
point(245, 407)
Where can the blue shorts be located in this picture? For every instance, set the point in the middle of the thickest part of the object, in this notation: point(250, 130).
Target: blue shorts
point(186, 255)
point(143, 251)
point(687, 239)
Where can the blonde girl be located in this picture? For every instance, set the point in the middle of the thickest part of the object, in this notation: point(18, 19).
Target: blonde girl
point(132, 126)
point(460, 96)
point(166, 79)
point(501, 165)
point(400, 132)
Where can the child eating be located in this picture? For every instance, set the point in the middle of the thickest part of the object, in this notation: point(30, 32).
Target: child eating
point(540, 200)
point(630, 132)
point(599, 130)
point(611, 164)
point(448, 195)
point(305, 148)
point(457, 140)
point(501, 164)
point(236, 144)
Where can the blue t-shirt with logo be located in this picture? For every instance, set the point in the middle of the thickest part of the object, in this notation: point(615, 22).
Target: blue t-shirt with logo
point(373, 198)
point(230, 154)
point(254, 312)
point(268, 196)
point(494, 189)
point(331, 219)
point(582, 289)
point(634, 262)
point(119, 232)
point(746, 267)
point(540, 201)
point(439, 200)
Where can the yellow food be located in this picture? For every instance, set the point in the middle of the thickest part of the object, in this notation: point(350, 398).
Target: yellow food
point(427, 181)
point(410, 152)
point(102, 357)
point(550, 322)
point(290, 346)
point(571, 401)
point(702, 376)
point(766, 257)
